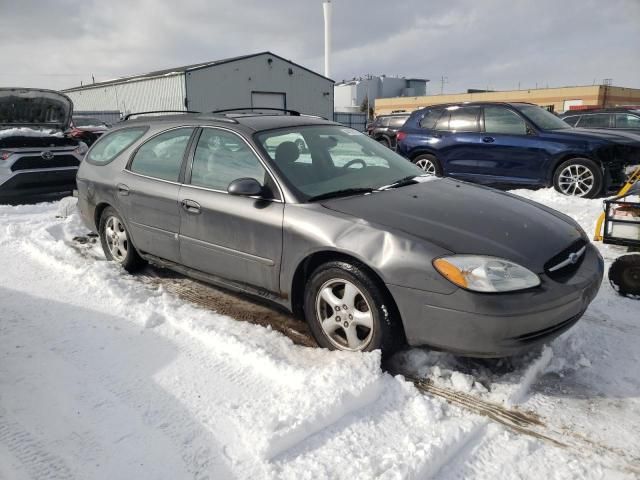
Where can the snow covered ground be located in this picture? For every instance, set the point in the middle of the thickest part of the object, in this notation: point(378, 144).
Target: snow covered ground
point(103, 376)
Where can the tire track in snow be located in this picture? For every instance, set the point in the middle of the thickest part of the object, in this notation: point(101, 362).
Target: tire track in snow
point(32, 454)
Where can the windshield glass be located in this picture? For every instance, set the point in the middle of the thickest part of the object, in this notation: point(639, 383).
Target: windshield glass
point(543, 118)
point(319, 160)
point(88, 122)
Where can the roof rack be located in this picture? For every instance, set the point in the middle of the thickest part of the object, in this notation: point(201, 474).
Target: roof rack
point(129, 115)
point(293, 113)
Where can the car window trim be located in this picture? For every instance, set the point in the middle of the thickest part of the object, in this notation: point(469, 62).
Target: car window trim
point(191, 158)
point(184, 155)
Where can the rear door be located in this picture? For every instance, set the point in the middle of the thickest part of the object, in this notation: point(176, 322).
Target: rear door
point(233, 237)
point(458, 132)
point(149, 192)
point(510, 152)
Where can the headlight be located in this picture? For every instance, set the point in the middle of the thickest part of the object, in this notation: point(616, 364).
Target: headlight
point(81, 149)
point(485, 274)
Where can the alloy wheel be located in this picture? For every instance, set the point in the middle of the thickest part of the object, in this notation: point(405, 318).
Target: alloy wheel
point(116, 238)
point(344, 315)
point(427, 165)
point(576, 180)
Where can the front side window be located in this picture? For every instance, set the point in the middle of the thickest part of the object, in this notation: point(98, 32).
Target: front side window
point(505, 121)
point(222, 157)
point(333, 159)
point(464, 119)
point(161, 157)
point(599, 120)
point(624, 120)
point(110, 146)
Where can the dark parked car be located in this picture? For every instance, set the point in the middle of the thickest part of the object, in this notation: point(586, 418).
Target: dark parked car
point(348, 234)
point(516, 144)
point(36, 156)
point(614, 118)
point(385, 127)
point(87, 129)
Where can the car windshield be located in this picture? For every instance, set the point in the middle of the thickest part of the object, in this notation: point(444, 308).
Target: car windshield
point(543, 118)
point(330, 160)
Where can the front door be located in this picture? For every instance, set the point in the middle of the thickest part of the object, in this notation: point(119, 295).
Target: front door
point(509, 151)
point(149, 192)
point(233, 237)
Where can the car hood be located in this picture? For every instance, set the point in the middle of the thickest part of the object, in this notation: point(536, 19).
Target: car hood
point(34, 108)
point(614, 136)
point(465, 218)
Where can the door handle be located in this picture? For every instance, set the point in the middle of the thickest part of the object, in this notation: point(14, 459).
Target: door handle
point(123, 189)
point(190, 206)
point(488, 139)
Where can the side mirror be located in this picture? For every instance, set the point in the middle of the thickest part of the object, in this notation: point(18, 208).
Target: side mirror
point(245, 187)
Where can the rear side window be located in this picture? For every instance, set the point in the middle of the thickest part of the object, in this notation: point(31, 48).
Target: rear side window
point(601, 120)
point(503, 120)
point(161, 157)
point(572, 120)
point(430, 118)
point(113, 144)
point(624, 120)
point(464, 119)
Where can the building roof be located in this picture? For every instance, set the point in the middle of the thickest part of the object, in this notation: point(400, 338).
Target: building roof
point(188, 68)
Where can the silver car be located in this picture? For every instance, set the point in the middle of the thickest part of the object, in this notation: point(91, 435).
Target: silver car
point(36, 154)
point(338, 229)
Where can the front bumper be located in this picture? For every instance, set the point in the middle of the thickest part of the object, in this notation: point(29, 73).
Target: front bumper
point(498, 325)
point(37, 182)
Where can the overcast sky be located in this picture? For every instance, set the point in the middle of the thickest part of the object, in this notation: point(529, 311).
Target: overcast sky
point(498, 44)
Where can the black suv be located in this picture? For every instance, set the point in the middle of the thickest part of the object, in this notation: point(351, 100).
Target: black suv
point(37, 156)
point(618, 118)
point(385, 127)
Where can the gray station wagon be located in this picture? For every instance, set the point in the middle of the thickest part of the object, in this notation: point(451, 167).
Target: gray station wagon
point(338, 229)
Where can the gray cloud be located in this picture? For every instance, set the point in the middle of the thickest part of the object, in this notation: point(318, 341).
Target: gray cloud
point(492, 43)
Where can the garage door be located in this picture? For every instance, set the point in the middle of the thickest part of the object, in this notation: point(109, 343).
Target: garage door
point(268, 100)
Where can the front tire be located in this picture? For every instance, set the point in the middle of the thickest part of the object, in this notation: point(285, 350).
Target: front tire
point(429, 164)
point(347, 310)
point(624, 275)
point(580, 177)
point(116, 241)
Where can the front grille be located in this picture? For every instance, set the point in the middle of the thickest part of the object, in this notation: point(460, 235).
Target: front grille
point(33, 162)
point(565, 272)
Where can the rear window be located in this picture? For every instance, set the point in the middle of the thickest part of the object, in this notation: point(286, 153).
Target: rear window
point(464, 119)
point(572, 120)
point(113, 144)
point(601, 120)
point(398, 121)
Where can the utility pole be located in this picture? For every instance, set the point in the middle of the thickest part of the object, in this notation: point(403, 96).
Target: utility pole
point(443, 80)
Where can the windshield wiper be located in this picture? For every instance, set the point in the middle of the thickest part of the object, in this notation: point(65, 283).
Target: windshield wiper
point(340, 193)
point(410, 180)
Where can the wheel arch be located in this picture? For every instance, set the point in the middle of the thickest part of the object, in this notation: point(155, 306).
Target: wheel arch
point(312, 261)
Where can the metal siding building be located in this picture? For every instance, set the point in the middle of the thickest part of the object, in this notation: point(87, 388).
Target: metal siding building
point(258, 80)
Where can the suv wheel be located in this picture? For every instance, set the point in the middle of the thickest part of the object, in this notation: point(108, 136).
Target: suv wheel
point(384, 141)
point(429, 163)
point(579, 177)
point(347, 310)
point(116, 242)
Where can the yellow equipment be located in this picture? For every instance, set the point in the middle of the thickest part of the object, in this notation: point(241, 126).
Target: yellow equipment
point(633, 178)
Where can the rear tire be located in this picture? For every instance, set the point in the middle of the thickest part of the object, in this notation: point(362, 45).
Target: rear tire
point(347, 310)
point(384, 141)
point(580, 177)
point(624, 275)
point(116, 241)
point(429, 164)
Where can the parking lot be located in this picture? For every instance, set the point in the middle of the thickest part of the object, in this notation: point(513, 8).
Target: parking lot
point(158, 377)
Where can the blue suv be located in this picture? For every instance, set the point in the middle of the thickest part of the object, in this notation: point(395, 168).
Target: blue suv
point(516, 144)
